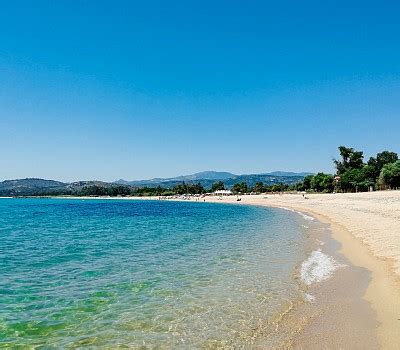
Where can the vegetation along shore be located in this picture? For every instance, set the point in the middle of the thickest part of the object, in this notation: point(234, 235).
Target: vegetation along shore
point(353, 174)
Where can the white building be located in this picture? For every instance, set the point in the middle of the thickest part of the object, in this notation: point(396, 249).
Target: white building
point(223, 193)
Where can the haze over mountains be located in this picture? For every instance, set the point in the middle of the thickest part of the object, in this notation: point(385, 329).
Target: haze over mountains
point(208, 175)
point(204, 175)
point(33, 186)
point(39, 187)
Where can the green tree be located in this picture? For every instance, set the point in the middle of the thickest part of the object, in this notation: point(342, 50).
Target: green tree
point(258, 187)
point(196, 188)
point(217, 186)
point(158, 191)
point(240, 187)
point(369, 177)
point(298, 186)
point(180, 188)
point(381, 159)
point(307, 182)
point(350, 159)
point(354, 180)
point(390, 175)
point(322, 182)
point(280, 187)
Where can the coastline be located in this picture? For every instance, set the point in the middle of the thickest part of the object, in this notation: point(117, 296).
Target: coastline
point(366, 227)
point(335, 314)
point(383, 290)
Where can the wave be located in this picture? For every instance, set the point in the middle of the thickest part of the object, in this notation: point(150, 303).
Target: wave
point(318, 267)
point(305, 216)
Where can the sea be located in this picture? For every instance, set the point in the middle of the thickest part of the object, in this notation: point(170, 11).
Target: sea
point(105, 273)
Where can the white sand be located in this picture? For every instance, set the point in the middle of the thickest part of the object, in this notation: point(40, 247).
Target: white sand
point(368, 227)
point(372, 217)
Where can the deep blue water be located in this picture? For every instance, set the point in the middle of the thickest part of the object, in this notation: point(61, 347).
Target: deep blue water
point(108, 273)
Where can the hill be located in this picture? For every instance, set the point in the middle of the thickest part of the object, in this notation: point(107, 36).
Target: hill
point(43, 187)
point(29, 186)
point(201, 176)
point(207, 178)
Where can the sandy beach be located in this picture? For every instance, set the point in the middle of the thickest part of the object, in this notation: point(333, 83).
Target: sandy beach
point(367, 229)
point(367, 225)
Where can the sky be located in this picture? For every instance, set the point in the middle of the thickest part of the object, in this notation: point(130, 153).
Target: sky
point(140, 89)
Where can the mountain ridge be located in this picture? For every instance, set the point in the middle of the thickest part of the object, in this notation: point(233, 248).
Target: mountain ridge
point(40, 187)
point(203, 175)
point(207, 175)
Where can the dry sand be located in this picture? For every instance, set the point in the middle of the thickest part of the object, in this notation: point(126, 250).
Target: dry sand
point(368, 227)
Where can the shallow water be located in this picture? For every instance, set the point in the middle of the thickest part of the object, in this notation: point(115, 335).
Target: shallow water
point(108, 273)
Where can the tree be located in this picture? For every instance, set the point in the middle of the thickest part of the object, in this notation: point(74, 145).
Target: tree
point(390, 175)
point(240, 187)
point(185, 188)
point(307, 182)
point(258, 187)
point(386, 157)
point(159, 190)
point(196, 188)
point(369, 178)
point(279, 187)
point(381, 159)
point(353, 179)
point(351, 159)
point(217, 186)
point(299, 186)
point(322, 182)
point(180, 188)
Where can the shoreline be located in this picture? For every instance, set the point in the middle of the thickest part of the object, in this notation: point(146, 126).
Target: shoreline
point(365, 226)
point(383, 290)
point(335, 316)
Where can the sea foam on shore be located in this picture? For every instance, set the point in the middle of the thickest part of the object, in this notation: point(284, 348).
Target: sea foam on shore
point(305, 216)
point(318, 267)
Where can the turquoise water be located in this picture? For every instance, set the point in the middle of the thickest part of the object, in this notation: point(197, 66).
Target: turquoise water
point(118, 273)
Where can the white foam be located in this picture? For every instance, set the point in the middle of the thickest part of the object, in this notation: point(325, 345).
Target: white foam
point(318, 267)
point(308, 297)
point(306, 217)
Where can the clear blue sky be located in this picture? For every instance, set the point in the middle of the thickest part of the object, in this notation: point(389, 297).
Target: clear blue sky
point(138, 89)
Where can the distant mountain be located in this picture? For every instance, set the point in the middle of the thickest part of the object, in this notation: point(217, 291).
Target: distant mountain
point(30, 186)
point(207, 178)
point(288, 173)
point(42, 187)
point(207, 175)
point(204, 175)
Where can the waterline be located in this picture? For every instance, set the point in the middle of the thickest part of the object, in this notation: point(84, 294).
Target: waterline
point(136, 273)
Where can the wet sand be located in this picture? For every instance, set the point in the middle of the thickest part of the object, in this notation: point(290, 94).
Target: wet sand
point(367, 228)
point(360, 307)
point(337, 316)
